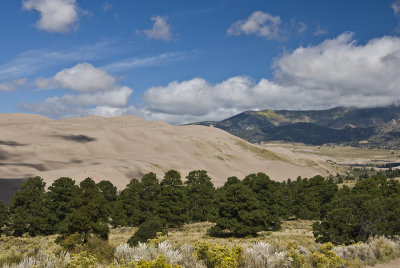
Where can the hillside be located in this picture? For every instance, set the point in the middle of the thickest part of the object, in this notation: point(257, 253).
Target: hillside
point(121, 148)
point(371, 127)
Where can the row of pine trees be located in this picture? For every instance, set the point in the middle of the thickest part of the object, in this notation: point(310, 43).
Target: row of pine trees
point(239, 208)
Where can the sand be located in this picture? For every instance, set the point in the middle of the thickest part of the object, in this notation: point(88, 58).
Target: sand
point(121, 148)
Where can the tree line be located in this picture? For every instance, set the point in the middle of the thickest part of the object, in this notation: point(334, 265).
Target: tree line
point(239, 208)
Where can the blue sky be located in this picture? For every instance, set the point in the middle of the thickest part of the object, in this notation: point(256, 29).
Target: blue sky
point(185, 61)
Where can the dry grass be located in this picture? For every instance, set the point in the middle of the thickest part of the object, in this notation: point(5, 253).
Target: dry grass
point(292, 231)
point(16, 248)
point(120, 235)
point(260, 152)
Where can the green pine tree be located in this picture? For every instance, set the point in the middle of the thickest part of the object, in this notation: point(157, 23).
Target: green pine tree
point(89, 214)
point(130, 201)
point(149, 192)
point(200, 193)
point(58, 201)
point(172, 203)
point(239, 212)
point(28, 211)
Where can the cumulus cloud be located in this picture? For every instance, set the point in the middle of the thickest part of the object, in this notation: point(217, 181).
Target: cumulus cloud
point(90, 86)
point(335, 72)
point(258, 23)
point(161, 29)
point(13, 84)
point(84, 77)
point(55, 15)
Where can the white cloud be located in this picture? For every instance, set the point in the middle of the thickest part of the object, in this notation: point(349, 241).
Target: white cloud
point(258, 23)
point(396, 7)
point(12, 85)
point(335, 72)
point(161, 29)
point(84, 77)
point(90, 86)
point(55, 15)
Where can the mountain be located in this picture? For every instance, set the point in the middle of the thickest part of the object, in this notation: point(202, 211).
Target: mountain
point(372, 127)
point(121, 148)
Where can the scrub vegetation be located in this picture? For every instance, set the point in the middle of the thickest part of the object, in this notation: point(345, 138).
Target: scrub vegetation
point(253, 222)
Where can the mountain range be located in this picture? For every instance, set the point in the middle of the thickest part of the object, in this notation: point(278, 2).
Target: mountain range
point(369, 127)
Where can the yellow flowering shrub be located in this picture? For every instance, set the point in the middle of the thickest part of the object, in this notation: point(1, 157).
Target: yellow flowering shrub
point(298, 259)
point(217, 255)
point(325, 257)
point(82, 260)
point(160, 262)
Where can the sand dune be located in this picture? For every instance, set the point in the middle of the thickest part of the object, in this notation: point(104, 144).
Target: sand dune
point(121, 148)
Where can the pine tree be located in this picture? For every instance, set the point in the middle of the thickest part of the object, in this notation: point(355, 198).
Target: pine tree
point(28, 211)
point(58, 201)
point(146, 230)
point(89, 213)
point(130, 201)
point(172, 205)
point(149, 196)
point(270, 195)
point(239, 212)
point(109, 192)
point(201, 196)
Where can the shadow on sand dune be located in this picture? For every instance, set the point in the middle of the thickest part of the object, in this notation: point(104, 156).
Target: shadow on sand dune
point(8, 187)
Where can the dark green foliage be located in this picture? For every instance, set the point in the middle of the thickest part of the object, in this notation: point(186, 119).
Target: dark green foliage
point(58, 201)
point(83, 213)
point(118, 215)
point(239, 212)
point(200, 192)
point(3, 216)
point(270, 195)
point(139, 201)
point(371, 208)
point(28, 211)
point(147, 230)
point(109, 192)
point(307, 198)
point(130, 199)
point(230, 181)
point(88, 215)
point(149, 196)
point(171, 200)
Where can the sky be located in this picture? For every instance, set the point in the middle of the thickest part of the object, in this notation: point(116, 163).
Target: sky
point(184, 61)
